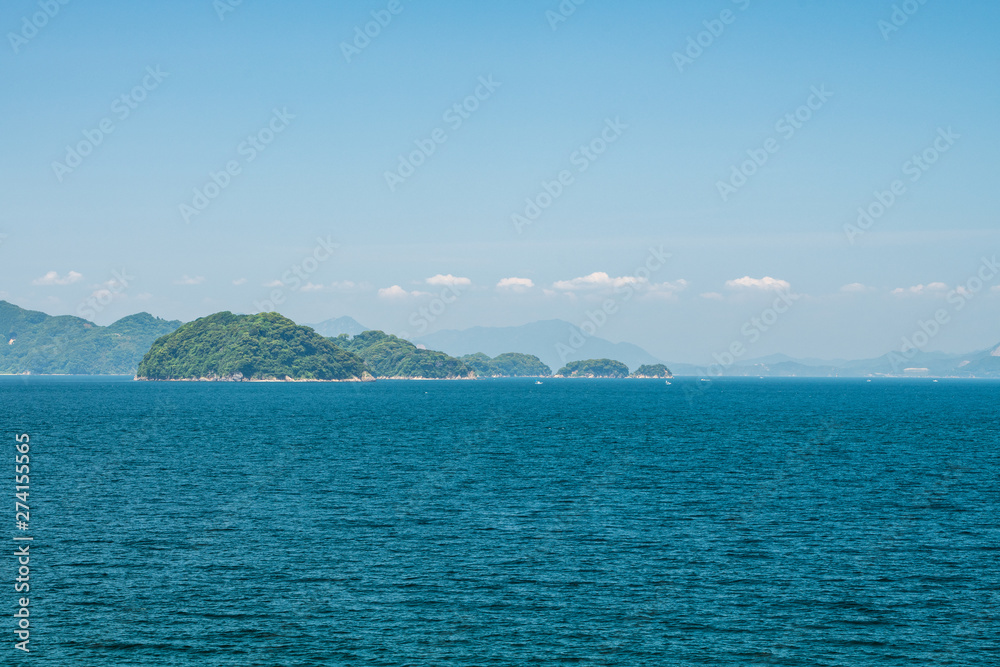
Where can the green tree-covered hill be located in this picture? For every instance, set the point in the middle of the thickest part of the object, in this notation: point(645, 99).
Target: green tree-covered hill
point(390, 357)
point(248, 347)
point(36, 343)
point(510, 364)
point(596, 368)
point(652, 371)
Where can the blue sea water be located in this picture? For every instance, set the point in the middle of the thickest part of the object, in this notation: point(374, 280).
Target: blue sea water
point(576, 522)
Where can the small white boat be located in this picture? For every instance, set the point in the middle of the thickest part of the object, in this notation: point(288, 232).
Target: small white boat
point(668, 381)
point(538, 381)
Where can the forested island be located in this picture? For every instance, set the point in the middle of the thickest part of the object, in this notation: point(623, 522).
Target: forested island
point(658, 371)
point(387, 356)
point(270, 347)
point(510, 364)
point(228, 347)
point(594, 368)
point(609, 368)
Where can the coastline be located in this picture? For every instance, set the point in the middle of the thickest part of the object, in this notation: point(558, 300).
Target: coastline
point(239, 378)
point(366, 378)
point(513, 377)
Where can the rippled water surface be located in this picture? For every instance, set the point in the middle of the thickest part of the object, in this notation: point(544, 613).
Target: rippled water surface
point(583, 522)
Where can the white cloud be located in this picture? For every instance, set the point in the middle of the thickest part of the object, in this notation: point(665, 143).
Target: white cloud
point(920, 290)
point(668, 289)
point(274, 283)
point(596, 280)
point(53, 278)
point(765, 283)
point(188, 280)
point(397, 292)
point(448, 280)
point(853, 288)
point(311, 287)
point(714, 296)
point(240, 281)
point(516, 284)
point(394, 292)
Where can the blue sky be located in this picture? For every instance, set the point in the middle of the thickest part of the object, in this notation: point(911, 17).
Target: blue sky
point(199, 82)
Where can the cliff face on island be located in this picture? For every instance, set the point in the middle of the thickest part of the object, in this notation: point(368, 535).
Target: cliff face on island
point(230, 347)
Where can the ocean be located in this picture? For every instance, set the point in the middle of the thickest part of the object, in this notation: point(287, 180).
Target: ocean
point(504, 522)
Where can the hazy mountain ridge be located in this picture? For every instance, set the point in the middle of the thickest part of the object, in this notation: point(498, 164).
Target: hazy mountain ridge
point(37, 343)
point(983, 364)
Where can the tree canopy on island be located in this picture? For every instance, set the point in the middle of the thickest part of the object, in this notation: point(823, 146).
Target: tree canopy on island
point(390, 357)
point(249, 347)
point(652, 371)
point(509, 364)
point(594, 368)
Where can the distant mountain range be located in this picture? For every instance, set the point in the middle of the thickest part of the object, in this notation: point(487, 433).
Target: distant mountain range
point(547, 338)
point(42, 344)
point(985, 363)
